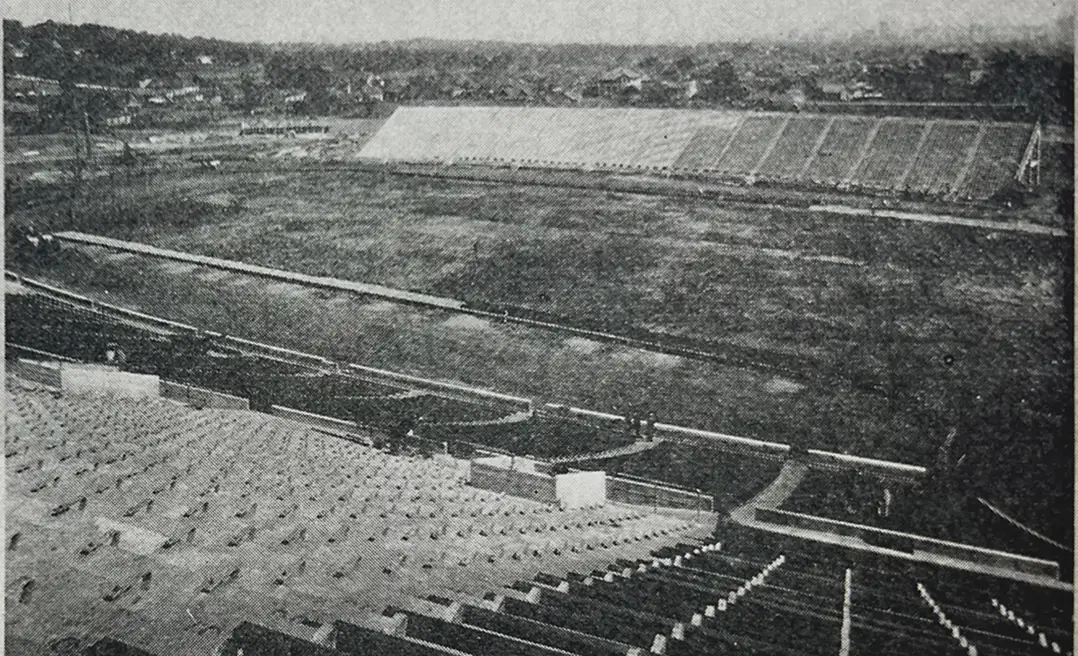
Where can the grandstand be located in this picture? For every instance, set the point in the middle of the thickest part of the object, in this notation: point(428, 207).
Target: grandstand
point(933, 158)
point(165, 527)
point(143, 526)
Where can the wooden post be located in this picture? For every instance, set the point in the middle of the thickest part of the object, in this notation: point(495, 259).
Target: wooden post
point(844, 643)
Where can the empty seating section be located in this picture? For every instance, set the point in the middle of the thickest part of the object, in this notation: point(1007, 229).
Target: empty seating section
point(795, 146)
point(996, 161)
point(942, 156)
point(839, 151)
point(890, 155)
point(705, 147)
point(750, 144)
point(761, 594)
point(667, 140)
point(167, 526)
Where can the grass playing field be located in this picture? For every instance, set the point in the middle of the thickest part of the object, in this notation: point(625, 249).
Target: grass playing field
point(953, 327)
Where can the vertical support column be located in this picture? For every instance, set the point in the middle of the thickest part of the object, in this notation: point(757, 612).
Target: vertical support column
point(844, 642)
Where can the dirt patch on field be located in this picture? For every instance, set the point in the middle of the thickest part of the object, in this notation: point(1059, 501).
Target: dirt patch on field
point(467, 322)
point(168, 266)
point(650, 359)
point(582, 345)
point(286, 289)
point(379, 307)
point(212, 275)
point(779, 385)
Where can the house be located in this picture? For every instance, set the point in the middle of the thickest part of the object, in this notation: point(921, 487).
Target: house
point(835, 91)
point(561, 96)
point(205, 60)
point(619, 80)
point(513, 92)
point(122, 119)
point(297, 97)
point(372, 93)
point(181, 92)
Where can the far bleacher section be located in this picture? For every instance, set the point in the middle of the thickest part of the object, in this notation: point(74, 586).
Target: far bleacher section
point(929, 158)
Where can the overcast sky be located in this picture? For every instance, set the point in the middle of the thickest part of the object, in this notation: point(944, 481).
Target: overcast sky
point(617, 21)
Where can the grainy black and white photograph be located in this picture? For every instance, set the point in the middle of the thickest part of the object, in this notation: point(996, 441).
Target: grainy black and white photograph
point(515, 328)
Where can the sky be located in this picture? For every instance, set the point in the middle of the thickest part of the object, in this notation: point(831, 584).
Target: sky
point(542, 21)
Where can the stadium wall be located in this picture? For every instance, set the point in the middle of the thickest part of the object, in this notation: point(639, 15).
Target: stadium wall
point(923, 157)
point(965, 552)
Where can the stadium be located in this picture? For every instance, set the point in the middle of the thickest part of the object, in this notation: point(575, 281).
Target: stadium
point(514, 380)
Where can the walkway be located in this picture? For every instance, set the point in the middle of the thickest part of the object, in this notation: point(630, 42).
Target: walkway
point(638, 446)
point(367, 289)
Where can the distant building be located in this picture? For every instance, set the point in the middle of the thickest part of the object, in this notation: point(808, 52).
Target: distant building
point(835, 91)
point(513, 92)
point(205, 60)
point(122, 119)
point(295, 98)
point(620, 80)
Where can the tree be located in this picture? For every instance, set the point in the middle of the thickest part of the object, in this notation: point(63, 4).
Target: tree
point(722, 83)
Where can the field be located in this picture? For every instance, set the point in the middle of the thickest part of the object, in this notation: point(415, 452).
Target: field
point(897, 333)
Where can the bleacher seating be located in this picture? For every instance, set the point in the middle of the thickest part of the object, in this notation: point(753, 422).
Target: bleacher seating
point(891, 155)
point(169, 526)
point(942, 155)
point(839, 151)
point(794, 148)
point(996, 160)
point(750, 144)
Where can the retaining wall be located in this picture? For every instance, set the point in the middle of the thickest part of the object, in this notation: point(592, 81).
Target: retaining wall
point(44, 373)
point(198, 397)
point(624, 490)
point(525, 478)
point(99, 379)
point(330, 425)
